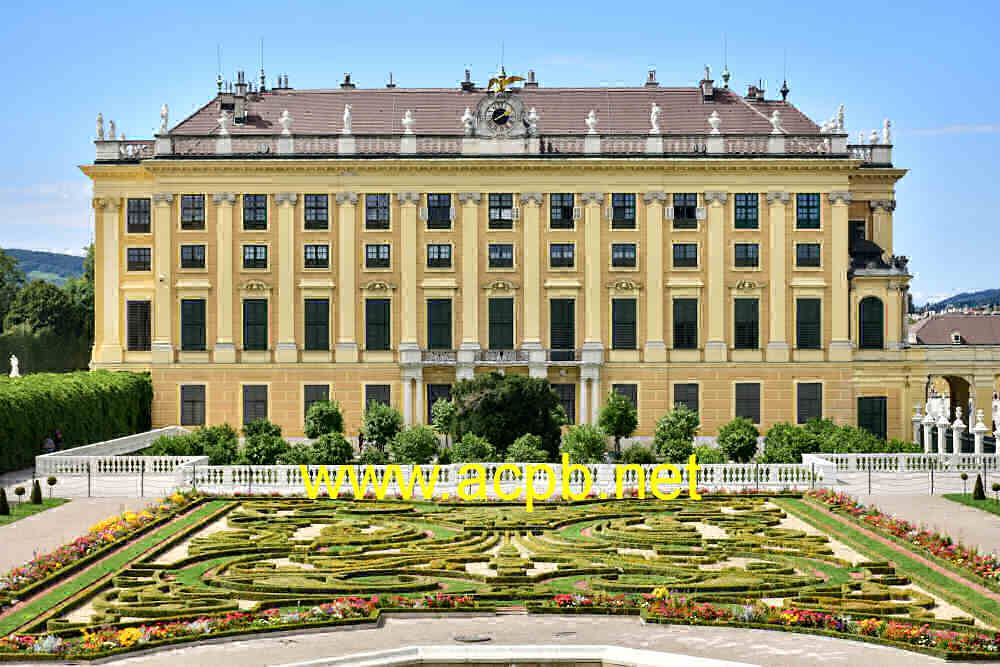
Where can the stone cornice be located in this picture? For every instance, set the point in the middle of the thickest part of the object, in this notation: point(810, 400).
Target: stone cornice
point(224, 198)
point(592, 198)
point(773, 197)
point(165, 198)
point(887, 205)
point(286, 198)
point(840, 198)
point(409, 198)
point(470, 197)
point(655, 195)
point(720, 197)
point(350, 197)
point(531, 196)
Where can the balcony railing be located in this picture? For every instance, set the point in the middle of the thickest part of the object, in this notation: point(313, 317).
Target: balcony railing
point(449, 357)
point(502, 356)
point(563, 356)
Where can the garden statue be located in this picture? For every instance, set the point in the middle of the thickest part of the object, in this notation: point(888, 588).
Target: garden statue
point(591, 121)
point(15, 371)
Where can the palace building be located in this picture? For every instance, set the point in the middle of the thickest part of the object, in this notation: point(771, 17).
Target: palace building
point(690, 245)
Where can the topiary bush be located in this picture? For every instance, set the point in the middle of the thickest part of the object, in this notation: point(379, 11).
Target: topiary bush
point(585, 444)
point(19, 492)
point(324, 417)
point(415, 445)
point(4, 505)
point(36, 493)
point(527, 449)
point(618, 418)
point(473, 449)
point(51, 481)
point(380, 425)
point(639, 454)
point(977, 491)
point(331, 449)
point(738, 439)
point(674, 435)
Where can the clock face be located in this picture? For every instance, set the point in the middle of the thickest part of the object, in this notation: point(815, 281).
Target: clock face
point(501, 115)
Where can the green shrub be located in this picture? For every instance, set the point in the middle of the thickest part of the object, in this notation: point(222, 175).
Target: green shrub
point(473, 449)
point(443, 417)
point(261, 427)
point(176, 445)
point(373, 456)
point(331, 449)
point(380, 425)
point(527, 449)
point(709, 455)
point(262, 449)
point(86, 406)
point(738, 439)
point(219, 443)
point(785, 443)
point(324, 417)
point(585, 444)
point(51, 481)
point(19, 492)
point(618, 418)
point(415, 445)
point(36, 493)
point(45, 350)
point(639, 454)
point(674, 435)
point(295, 455)
point(444, 456)
point(4, 505)
point(977, 491)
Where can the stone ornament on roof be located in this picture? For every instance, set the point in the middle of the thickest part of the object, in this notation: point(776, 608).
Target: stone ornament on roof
point(887, 132)
point(873, 137)
point(654, 119)
point(591, 121)
point(468, 122)
point(286, 122)
point(776, 122)
point(100, 126)
point(408, 122)
point(531, 120)
point(163, 119)
point(111, 129)
point(715, 122)
point(224, 123)
point(840, 119)
point(347, 120)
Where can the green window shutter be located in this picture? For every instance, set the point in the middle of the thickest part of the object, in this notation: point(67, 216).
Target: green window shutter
point(871, 324)
point(686, 395)
point(562, 329)
point(192, 324)
point(317, 324)
point(748, 401)
point(746, 324)
point(376, 324)
point(623, 327)
point(255, 324)
point(137, 320)
point(192, 405)
point(872, 415)
point(376, 393)
point(439, 324)
point(685, 324)
point(807, 322)
point(501, 324)
point(254, 402)
point(810, 401)
point(313, 393)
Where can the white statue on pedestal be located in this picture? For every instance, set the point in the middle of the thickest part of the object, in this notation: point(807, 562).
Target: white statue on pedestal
point(840, 118)
point(468, 122)
point(408, 122)
point(654, 119)
point(100, 126)
point(532, 120)
point(111, 130)
point(715, 121)
point(873, 137)
point(776, 122)
point(15, 371)
point(347, 119)
point(591, 121)
point(286, 122)
point(861, 137)
point(887, 132)
point(223, 124)
point(163, 119)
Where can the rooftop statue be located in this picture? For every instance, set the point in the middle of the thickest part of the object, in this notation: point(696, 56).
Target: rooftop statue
point(100, 126)
point(654, 119)
point(408, 122)
point(347, 119)
point(467, 122)
point(591, 121)
point(163, 119)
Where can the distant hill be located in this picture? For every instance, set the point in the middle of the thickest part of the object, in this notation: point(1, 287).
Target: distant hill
point(986, 297)
point(52, 266)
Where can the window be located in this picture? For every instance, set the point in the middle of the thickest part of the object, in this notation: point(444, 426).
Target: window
point(562, 329)
point(623, 254)
point(685, 324)
point(501, 211)
point(747, 255)
point(139, 259)
point(435, 393)
point(685, 210)
point(686, 395)
point(314, 393)
point(807, 324)
point(377, 256)
point(137, 219)
point(629, 391)
point(254, 212)
point(685, 255)
point(438, 211)
point(561, 255)
point(193, 324)
point(317, 256)
point(254, 402)
point(567, 399)
point(746, 324)
point(857, 232)
point(501, 324)
point(807, 211)
point(377, 211)
point(501, 255)
point(623, 324)
point(622, 211)
point(137, 319)
point(255, 324)
point(255, 257)
point(192, 257)
point(439, 324)
point(317, 209)
point(377, 324)
point(871, 415)
point(810, 401)
point(192, 405)
point(317, 324)
point(870, 325)
point(748, 400)
point(745, 210)
point(192, 211)
point(806, 254)
point(439, 256)
point(561, 211)
point(376, 393)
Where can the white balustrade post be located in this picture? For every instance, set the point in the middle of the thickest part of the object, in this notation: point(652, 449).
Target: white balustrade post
point(979, 431)
point(917, 418)
point(942, 432)
point(928, 424)
point(957, 428)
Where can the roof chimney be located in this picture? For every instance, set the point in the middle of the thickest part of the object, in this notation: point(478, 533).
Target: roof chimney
point(390, 84)
point(707, 91)
point(347, 81)
point(531, 83)
point(651, 81)
point(468, 85)
point(240, 99)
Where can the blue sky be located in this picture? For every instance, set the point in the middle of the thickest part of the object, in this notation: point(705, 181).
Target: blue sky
point(929, 67)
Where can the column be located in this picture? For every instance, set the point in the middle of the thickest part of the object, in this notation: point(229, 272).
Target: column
point(840, 345)
point(111, 346)
point(224, 351)
point(418, 405)
point(715, 345)
point(593, 348)
point(984, 398)
point(470, 282)
point(531, 308)
point(162, 347)
point(777, 346)
point(595, 397)
point(894, 315)
point(409, 348)
point(584, 417)
point(407, 399)
point(882, 222)
point(347, 299)
point(286, 351)
point(979, 432)
point(656, 348)
point(928, 424)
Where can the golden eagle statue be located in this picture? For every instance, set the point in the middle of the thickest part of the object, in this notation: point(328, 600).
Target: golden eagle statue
point(501, 81)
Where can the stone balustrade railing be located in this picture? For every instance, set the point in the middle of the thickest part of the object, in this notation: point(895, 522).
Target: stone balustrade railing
point(107, 456)
point(902, 463)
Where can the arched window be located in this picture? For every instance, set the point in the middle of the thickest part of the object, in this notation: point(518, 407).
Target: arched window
point(871, 324)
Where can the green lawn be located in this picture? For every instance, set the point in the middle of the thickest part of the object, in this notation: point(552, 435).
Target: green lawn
point(991, 505)
point(21, 510)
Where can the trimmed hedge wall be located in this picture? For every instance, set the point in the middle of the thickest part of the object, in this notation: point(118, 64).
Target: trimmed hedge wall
point(86, 406)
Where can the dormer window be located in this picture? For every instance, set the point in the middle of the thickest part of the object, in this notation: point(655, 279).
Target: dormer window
point(956, 338)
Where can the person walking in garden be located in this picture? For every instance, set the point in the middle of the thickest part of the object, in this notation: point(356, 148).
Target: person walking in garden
point(58, 440)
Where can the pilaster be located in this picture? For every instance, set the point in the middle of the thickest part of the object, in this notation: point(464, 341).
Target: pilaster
point(715, 344)
point(407, 257)
point(841, 348)
point(224, 350)
point(111, 347)
point(162, 345)
point(286, 350)
point(470, 280)
point(531, 308)
point(656, 347)
point(347, 301)
point(882, 222)
point(592, 270)
point(984, 398)
point(777, 345)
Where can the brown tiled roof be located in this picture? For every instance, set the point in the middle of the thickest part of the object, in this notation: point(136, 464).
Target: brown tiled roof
point(378, 111)
point(974, 329)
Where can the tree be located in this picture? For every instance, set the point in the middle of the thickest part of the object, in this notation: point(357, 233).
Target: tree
point(331, 449)
point(295, 455)
point(324, 417)
point(674, 434)
point(11, 281)
point(585, 444)
point(263, 445)
point(261, 427)
point(380, 425)
point(219, 443)
point(738, 439)
point(443, 417)
point(416, 445)
point(36, 493)
point(977, 491)
point(709, 455)
point(639, 454)
point(618, 418)
point(473, 448)
point(4, 505)
point(81, 295)
point(42, 305)
point(527, 449)
point(502, 408)
point(785, 443)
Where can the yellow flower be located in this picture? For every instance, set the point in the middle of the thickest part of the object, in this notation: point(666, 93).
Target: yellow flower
point(128, 636)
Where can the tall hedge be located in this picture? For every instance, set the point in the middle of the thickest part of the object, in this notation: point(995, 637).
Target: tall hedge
point(86, 406)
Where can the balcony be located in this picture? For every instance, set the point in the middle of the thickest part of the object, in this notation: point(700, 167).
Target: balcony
point(439, 357)
point(563, 356)
point(502, 357)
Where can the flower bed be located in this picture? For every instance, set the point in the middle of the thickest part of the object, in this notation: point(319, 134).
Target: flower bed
point(941, 548)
